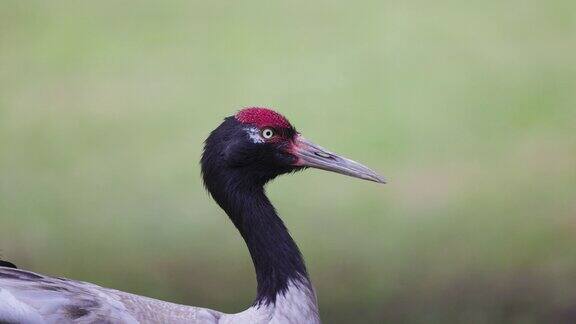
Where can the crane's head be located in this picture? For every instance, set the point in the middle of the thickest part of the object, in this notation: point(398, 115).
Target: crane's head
point(260, 144)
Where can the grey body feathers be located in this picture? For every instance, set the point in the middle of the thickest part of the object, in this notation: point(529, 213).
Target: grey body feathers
point(30, 298)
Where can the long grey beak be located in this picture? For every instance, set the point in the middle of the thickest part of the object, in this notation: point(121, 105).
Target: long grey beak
point(314, 156)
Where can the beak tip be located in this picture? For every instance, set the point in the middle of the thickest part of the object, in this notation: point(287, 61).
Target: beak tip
point(381, 180)
point(375, 177)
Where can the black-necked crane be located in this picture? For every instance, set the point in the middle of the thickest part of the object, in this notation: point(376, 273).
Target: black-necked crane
point(240, 156)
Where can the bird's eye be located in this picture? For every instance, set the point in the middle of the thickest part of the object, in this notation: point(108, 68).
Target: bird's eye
point(267, 133)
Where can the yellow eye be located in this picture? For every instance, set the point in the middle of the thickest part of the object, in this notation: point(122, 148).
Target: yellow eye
point(267, 133)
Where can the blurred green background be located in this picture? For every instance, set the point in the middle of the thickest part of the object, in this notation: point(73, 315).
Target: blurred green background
point(469, 108)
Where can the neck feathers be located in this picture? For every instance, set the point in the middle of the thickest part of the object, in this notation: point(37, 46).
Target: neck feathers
point(276, 257)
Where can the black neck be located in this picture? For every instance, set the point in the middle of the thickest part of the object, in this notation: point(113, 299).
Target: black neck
point(277, 259)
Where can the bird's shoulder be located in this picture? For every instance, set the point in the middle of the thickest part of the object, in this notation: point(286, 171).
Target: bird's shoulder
point(28, 297)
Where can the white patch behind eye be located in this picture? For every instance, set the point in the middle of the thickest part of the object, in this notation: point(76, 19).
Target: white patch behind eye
point(254, 134)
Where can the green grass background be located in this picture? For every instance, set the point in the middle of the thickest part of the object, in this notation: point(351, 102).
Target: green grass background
point(468, 107)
